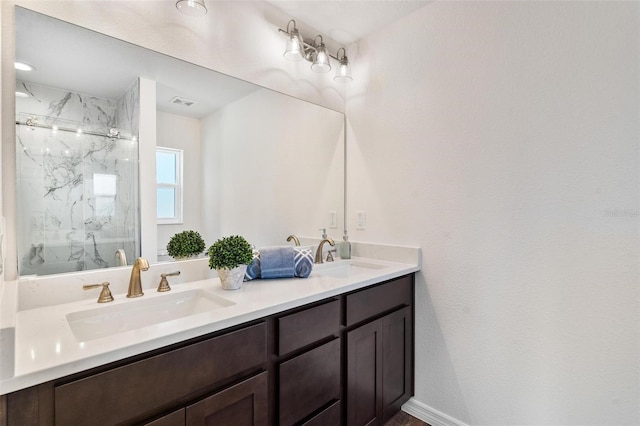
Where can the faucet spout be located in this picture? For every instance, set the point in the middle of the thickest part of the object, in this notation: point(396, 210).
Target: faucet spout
point(318, 258)
point(295, 239)
point(135, 283)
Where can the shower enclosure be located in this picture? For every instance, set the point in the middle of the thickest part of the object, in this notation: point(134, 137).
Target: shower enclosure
point(77, 181)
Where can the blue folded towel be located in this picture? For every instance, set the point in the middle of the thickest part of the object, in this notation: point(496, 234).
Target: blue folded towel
point(277, 262)
point(304, 262)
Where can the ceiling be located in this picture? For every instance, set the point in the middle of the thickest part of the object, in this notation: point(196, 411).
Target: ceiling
point(347, 21)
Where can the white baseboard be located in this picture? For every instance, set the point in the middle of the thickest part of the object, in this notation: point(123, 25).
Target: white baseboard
point(429, 415)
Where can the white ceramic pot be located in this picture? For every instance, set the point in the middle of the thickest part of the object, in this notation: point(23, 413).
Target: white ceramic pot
point(231, 279)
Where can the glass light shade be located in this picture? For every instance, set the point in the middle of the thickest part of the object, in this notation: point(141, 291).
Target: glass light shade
point(321, 60)
point(192, 7)
point(295, 47)
point(343, 72)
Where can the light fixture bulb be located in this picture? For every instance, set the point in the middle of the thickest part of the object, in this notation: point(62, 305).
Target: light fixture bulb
point(295, 47)
point(321, 59)
point(21, 94)
point(192, 7)
point(343, 72)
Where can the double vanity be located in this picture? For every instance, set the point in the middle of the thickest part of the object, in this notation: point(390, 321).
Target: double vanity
point(335, 348)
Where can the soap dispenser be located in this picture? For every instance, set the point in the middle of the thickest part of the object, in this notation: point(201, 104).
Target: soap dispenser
point(345, 247)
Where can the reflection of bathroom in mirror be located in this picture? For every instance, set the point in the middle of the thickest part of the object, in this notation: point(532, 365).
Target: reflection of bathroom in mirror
point(256, 162)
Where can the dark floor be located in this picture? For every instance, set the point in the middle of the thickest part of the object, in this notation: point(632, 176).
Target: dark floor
point(404, 419)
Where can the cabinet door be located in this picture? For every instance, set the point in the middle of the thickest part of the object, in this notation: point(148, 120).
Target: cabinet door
point(364, 375)
point(244, 404)
point(397, 361)
point(379, 368)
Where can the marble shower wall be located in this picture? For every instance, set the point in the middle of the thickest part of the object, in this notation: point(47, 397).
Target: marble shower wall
point(77, 193)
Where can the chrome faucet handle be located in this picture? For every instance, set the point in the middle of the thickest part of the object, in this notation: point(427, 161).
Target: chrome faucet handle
point(164, 283)
point(105, 294)
point(330, 255)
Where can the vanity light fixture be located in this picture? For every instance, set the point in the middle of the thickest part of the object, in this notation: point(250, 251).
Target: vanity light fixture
point(320, 57)
point(343, 72)
point(315, 52)
point(295, 45)
point(192, 7)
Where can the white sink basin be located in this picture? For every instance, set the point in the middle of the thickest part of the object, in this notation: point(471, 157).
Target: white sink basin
point(138, 313)
point(345, 269)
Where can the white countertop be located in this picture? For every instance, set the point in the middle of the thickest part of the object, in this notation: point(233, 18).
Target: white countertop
point(45, 347)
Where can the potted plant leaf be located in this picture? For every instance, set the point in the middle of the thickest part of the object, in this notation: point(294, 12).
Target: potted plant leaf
point(230, 257)
point(185, 244)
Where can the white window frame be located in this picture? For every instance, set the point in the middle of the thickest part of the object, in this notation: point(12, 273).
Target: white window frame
point(178, 200)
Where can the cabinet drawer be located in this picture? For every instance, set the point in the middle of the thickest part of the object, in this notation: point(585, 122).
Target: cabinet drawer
point(142, 387)
point(309, 382)
point(375, 300)
point(308, 326)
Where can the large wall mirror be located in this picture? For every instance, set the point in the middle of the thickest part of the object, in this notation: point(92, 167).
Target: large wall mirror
point(254, 162)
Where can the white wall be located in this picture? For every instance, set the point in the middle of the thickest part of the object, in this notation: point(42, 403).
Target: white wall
point(180, 132)
point(291, 175)
point(502, 138)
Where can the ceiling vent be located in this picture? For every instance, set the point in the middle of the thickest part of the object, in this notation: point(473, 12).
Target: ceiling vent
point(177, 100)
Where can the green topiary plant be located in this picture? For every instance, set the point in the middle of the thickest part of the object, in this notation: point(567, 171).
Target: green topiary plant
point(230, 252)
point(185, 244)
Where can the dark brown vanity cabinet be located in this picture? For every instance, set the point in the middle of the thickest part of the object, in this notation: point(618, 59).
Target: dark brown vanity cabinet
point(346, 360)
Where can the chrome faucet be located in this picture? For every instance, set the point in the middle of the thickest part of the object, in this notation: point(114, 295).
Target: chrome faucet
point(318, 258)
point(295, 239)
point(135, 284)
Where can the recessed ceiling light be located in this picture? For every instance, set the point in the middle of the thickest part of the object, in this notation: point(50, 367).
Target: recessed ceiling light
point(21, 66)
point(21, 94)
point(179, 100)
